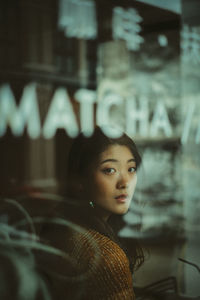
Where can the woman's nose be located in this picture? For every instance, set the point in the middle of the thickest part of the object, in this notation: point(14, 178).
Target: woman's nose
point(123, 181)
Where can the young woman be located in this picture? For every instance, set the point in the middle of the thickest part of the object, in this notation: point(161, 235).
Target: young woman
point(102, 176)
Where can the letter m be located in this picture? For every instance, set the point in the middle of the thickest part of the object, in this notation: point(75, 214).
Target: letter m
point(17, 117)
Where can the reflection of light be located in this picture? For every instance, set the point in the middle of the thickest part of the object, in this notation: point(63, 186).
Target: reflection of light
point(162, 40)
point(78, 18)
point(18, 117)
point(125, 26)
point(173, 5)
point(103, 114)
point(86, 98)
point(190, 44)
point(152, 221)
point(60, 115)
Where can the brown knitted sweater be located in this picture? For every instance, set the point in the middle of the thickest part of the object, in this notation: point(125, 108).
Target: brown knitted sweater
point(104, 265)
point(99, 269)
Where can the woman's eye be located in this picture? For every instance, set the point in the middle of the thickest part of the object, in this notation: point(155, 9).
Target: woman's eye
point(109, 170)
point(132, 170)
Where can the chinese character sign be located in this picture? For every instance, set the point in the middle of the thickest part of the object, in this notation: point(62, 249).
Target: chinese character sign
point(125, 25)
point(78, 18)
point(191, 44)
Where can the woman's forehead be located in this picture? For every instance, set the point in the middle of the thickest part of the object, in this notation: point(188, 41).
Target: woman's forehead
point(116, 152)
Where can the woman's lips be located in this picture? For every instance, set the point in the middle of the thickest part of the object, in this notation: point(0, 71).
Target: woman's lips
point(121, 198)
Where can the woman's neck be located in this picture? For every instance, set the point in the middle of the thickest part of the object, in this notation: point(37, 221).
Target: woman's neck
point(102, 213)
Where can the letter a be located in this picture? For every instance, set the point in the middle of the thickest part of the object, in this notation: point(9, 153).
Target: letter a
point(160, 121)
point(60, 115)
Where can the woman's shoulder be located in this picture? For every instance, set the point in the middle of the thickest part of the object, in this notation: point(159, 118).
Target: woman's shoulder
point(97, 254)
point(96, 262)
point(91, 243)
point(88, 236)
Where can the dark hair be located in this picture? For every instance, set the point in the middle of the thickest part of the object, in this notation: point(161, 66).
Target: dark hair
point(83, 154)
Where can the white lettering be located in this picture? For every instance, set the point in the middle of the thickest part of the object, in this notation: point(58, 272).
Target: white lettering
point(103, 116)
point(15, 117)
point(60, 115)
point(133, 115)
point(197, 139)
point(160, 121)
point(187, 123)
point(86, 98)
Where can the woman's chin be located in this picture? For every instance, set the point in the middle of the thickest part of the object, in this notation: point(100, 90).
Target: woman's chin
point(121, 211)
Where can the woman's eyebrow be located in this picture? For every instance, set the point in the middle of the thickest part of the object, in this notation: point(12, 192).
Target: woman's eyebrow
point(107, 160)
point(131, 160)
point(115, 160)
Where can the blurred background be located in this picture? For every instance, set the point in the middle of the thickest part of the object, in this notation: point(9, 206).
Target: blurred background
point(67, 65)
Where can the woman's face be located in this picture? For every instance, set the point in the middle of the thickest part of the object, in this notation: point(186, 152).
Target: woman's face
point(112, 182)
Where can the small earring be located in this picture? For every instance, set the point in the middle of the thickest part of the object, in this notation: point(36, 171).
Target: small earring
point(91, 204)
